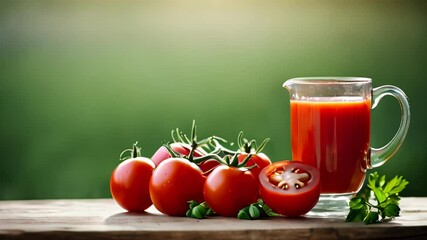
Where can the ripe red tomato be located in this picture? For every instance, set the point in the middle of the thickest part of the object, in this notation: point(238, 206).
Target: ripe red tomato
point(208, 165)
point(229, 189)
point(129, 184)
point(174, 182)
point(182, 148)
point(260, 159)
point(290, 188)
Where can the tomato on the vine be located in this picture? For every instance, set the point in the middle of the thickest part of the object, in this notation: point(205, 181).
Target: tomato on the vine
point(260, 160)
point(186, 147)
point(181, 148)
point(129, 182)
point(290, 188)
point(228, 189)
point(174, 183)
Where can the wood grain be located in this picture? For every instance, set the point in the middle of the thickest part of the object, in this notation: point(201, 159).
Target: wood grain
point(103, 219)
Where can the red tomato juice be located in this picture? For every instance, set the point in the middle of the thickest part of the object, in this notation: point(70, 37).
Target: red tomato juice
point(333, 134)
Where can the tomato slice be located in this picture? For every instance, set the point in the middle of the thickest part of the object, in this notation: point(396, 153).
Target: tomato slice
point(290, 188)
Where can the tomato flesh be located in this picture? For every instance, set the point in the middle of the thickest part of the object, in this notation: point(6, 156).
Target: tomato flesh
point(290, 188)
point(287, 178)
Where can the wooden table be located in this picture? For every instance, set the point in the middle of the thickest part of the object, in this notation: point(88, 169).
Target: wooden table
point(103, 219)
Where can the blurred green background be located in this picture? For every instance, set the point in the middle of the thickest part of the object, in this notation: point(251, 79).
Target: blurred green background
point(82, 80)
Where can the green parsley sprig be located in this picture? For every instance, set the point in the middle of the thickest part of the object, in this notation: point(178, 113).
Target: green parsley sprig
point(387, 200)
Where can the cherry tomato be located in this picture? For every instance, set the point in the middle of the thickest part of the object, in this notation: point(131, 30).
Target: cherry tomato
point(290, 188)
point(260, 159)
point(182, 148)
point(208, 166)
point(129, 184)
point(229, 189)
point(174, 182)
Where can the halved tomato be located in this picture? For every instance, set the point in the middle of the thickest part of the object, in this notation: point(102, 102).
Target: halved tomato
point(290, 188)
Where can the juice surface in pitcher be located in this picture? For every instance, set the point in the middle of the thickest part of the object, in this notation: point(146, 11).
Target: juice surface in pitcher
point(333, 134)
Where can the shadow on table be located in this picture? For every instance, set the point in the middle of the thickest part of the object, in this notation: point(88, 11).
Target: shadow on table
point(151, 215)
point(128, 217)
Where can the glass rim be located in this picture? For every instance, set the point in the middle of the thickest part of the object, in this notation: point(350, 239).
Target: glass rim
point(329, 80)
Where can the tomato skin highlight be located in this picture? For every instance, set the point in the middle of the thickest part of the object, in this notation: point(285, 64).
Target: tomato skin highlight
point(174, 182)
point(260, 159)
point(182, 148)
point(229, 189)
point(293, 202)
point(129, 184)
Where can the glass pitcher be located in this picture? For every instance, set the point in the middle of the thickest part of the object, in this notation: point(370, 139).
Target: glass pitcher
point(330, 129)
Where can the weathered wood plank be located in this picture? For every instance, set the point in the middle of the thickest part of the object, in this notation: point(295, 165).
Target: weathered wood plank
point(103, 219)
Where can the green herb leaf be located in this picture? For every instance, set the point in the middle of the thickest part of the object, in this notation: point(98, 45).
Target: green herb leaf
point(386, 195)
point(210, 212)
point(357, 215)
point(254, 211)
point(399, 187)
point(357, 203)
point(390, 185)
point(372, 217)
point(198, 211)
point(381, 182)
point(192, 204)
point(268, 211)
point(379, 194)
point(372, 180)
point(392, 210)
point(244, 214)
point(395, 198)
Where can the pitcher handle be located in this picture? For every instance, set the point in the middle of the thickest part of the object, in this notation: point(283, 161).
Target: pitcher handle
point(381, 155)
